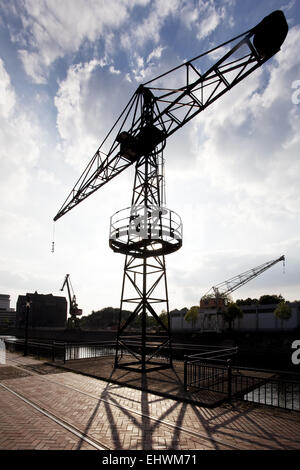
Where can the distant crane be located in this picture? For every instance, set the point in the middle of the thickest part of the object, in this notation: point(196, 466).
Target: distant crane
point(73, 321)
point(147, 231)
point(222, 290)
point(217, 296)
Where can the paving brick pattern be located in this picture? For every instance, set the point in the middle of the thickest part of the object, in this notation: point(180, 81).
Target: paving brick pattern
point(24, 428)
point(118, 417)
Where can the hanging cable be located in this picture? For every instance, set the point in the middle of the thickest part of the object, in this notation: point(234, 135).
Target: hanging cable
point(53, 235)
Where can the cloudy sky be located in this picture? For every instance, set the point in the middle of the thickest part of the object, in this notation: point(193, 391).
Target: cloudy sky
point(66, 70)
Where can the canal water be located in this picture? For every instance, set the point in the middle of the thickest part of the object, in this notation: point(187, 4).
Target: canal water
point(279, 394)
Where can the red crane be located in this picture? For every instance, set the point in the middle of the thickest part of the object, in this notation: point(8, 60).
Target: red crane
point(73, 321)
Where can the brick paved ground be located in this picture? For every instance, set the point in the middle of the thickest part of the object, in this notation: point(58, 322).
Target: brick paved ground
point(118, 416)
point(167, 382)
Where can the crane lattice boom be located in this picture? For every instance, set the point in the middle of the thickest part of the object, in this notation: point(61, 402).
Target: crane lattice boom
point(222, 290)
point(192, 91)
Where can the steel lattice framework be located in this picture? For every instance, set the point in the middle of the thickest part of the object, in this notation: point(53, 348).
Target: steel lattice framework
point(174, 106)
point(230, 285)
point(148, 230)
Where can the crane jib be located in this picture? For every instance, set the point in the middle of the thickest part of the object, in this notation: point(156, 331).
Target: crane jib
point(142, 137)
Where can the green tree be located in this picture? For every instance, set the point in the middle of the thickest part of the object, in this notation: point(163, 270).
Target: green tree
point(232, 312)
point(164, 317)
point(192, 315)
point(247, 301)
point(271, 299)
point(105, 318)
point(283, 311)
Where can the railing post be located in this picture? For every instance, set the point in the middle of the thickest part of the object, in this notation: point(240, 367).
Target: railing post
point(64, 353)
point(229, 379)
point(185, 374)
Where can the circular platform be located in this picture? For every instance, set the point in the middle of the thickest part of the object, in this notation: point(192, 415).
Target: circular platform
point(142, 231)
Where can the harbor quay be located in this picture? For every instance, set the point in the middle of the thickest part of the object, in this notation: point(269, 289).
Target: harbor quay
point(49, 406)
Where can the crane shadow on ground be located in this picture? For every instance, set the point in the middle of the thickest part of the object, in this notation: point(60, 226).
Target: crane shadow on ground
point(140, 419)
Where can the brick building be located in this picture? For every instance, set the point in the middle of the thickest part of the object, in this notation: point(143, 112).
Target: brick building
point(255, 318)
point(7, 314)
point(46, 311)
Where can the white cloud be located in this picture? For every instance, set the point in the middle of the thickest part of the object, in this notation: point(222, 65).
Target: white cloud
point(52, 29)
point(289, 5)
point(210, 20)
point(252, 131)
point(113, 70)
point(20, 143)
point(7, 94)
point(72, 125)
point(25, 191)
point(202, 16)
point(145, 69)
point(205, 16)
point(155, 54)
point(150, 28)
point(88, 103)
point(34, 66)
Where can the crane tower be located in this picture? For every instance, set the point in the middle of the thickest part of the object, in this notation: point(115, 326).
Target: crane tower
point(148, 230)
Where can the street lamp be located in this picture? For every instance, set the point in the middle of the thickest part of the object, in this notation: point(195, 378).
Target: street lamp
point(28, 303)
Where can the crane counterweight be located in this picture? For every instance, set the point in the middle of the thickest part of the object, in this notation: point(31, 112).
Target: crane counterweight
point(270, 34)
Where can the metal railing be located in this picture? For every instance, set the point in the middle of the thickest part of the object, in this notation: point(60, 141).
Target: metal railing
point(40, 349)
point(273, 388)
point(90, 350)
point(262, 386)
point(211, 369)
point(65, 351)
point(61, 351)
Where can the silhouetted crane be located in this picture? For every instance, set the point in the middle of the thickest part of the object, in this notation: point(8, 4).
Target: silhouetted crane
point(147, 230)
point(217, 295)
point(74, 311)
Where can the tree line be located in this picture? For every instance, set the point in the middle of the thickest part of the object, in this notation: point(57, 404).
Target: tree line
point(108, 317)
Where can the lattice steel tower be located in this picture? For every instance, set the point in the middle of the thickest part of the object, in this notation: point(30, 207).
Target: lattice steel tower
point(145, 233)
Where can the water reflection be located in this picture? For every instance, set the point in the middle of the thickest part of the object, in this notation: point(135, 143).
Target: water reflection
point(74, 352)
point(279, 394)
point(2, 351)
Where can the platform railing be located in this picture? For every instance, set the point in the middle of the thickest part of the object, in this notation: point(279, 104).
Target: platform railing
point(280, 390)
point(262, 386)
point(210, 369)
point(39, 349)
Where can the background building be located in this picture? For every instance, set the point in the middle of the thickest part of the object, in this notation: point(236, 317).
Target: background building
point(46, 311)
point(7, 314)
point(256, 317)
